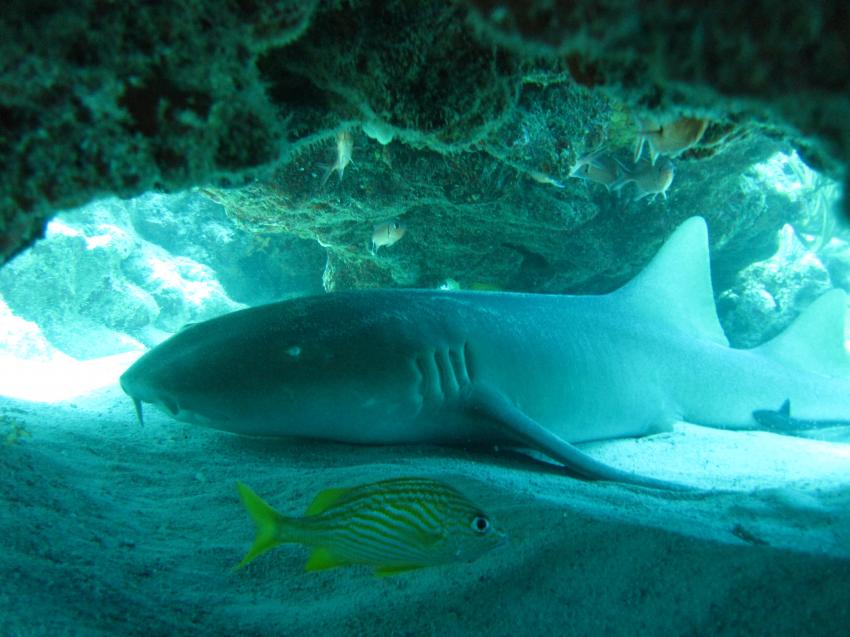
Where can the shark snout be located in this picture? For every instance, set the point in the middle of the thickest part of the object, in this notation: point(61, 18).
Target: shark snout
point(141, 391)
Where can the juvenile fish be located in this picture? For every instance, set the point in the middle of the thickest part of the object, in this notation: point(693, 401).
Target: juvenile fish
point(386, 234)
point(344, 149)
point(598, 167)
point(670, 138)
point(393, 526)
point(781, 420)
point(649, 180)
point(543, 178)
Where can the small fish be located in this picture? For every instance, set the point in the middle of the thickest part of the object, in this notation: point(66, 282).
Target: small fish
point(781, 420)
point(393, 526)
point(386, 234)
point(344, 148)
point(671, 138)
point(598, 167)
point(543, 178)
point(649, 179)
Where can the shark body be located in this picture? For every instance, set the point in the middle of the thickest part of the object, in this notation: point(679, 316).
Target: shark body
point(540, 371)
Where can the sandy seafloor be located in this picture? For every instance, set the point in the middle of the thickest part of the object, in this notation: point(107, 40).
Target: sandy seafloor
point(112, 528)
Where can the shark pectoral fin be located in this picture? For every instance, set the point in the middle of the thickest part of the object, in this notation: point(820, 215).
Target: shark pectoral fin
point(515, 425)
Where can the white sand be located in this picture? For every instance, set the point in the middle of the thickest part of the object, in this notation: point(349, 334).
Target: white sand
point(112, 528)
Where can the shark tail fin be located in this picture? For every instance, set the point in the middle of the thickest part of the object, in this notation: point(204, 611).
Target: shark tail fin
point(268, 521)
point(815, 340)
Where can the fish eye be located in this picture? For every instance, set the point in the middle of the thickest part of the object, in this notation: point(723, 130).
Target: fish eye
point(480, 524)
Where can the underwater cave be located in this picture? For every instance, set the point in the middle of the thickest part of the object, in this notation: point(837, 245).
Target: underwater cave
point(475, 317)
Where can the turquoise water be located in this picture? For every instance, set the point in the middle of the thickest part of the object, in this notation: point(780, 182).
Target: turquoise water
point(462, 318)
point(112, 527)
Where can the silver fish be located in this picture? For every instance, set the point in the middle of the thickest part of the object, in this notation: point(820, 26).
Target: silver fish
point(598, 167)
point(649, 179)
point(387, 234)
point(344, 149)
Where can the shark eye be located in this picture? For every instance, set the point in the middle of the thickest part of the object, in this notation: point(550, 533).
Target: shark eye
point(480, 524)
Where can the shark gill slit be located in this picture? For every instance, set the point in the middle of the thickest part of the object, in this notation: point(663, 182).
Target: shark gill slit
point(469, 363)
point(448, 379)
point(458, 358)
point(436, 378)
point(429, 387)
point(443, 374)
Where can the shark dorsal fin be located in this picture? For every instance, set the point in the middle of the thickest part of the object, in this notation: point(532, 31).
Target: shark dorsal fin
point(675, 288)
point(815, 340)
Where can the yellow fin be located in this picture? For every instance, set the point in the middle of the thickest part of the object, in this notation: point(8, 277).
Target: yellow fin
point(387, 571)
point(322, 559)
point(324, 500)
point(267, 521)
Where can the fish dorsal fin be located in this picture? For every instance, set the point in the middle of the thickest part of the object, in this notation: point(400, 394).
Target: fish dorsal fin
point(322, 559)
point(815, 340)
point(324, 500)
point(675, 288)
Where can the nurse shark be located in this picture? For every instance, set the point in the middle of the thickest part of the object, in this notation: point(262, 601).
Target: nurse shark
point(545, 372)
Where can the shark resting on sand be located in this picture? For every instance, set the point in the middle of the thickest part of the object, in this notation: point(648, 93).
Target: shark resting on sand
point(537, 371)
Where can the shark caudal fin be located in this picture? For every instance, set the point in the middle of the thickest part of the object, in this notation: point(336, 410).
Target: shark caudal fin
point(814, 342)
point(675, 288)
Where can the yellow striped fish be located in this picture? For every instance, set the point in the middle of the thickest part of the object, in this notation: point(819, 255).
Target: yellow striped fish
point(393, 525)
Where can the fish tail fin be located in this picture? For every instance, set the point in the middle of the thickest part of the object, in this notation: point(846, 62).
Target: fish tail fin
point(268, 521)
point(328, 171)
point(624, 176)
point(638, 146)
point(593, 155)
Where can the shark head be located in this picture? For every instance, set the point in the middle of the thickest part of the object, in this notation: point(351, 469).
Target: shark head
point(291, 368)
point(170, 378)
